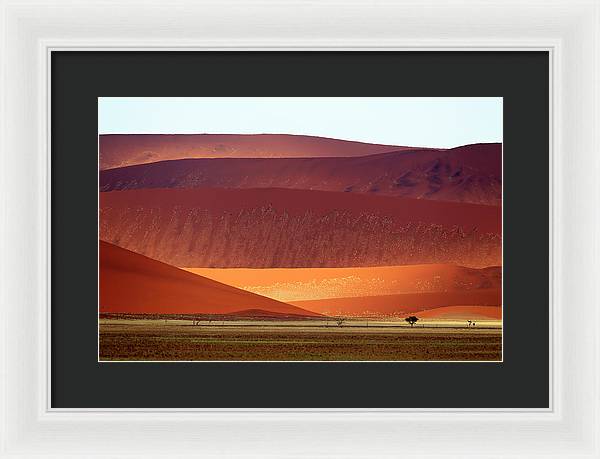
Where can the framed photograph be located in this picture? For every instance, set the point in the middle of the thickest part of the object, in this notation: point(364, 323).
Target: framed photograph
point(293, 230)
point(265, 240)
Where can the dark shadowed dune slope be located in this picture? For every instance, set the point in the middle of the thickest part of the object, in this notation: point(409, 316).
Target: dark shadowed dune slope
point(471, 173)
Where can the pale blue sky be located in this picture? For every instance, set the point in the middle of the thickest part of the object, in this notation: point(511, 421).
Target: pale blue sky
point(413, 121)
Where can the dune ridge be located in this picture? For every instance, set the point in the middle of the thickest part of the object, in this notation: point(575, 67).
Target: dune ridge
point(118, 150)
point(462, 312)
point(403, 303)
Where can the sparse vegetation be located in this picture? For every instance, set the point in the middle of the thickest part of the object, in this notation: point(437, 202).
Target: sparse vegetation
point(412, 320)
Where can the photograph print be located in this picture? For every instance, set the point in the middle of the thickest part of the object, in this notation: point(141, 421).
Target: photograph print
point(300, 229)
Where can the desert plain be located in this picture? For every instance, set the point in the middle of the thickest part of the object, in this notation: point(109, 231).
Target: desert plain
point(289, 340)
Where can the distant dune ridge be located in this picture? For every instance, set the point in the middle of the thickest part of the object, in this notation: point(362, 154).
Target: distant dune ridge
point(471, 173)
point(118, 150)
point(403, 303)
point(268, 228)
point(462, 312)
point(132, 283)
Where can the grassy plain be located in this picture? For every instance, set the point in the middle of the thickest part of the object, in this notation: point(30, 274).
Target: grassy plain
point(297, 340)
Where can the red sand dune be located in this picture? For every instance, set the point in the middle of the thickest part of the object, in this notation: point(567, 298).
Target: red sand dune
point(462, 312)
point(402, 303)
point(471, 173)
point(132, 283)
point(117, 150)
point(269, 228)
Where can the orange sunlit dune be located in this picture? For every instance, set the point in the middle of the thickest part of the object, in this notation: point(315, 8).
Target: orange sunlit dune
point(299, 284)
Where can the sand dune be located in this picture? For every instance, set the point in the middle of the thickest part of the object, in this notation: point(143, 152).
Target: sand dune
point(462, 312)
point(117, 150)
point(132, 283)
point(270, 228)
point(402, 303)
point(297, 284)
point(471, 173)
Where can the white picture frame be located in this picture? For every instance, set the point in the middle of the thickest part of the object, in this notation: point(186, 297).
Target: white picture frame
point(568, 29)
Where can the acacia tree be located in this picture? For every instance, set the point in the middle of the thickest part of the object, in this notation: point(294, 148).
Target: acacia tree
point(340, 321)
point(412, 320)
